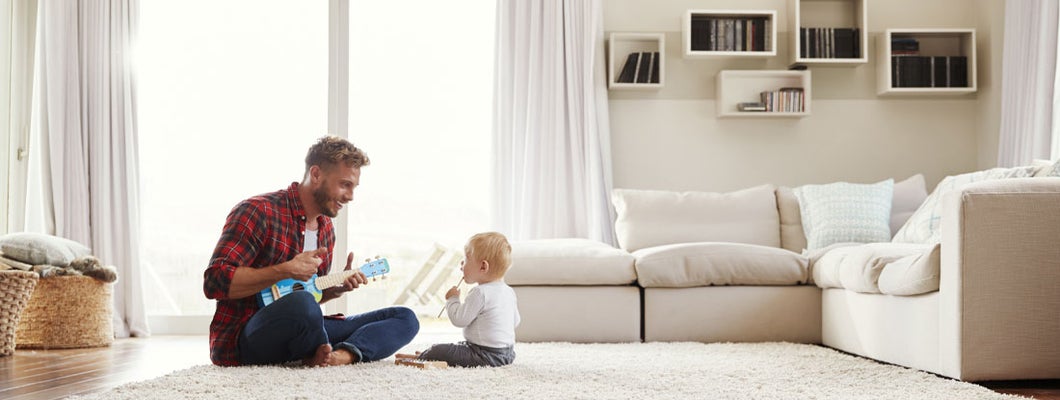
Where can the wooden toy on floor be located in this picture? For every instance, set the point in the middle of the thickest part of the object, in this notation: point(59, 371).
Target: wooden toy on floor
point(424, 364)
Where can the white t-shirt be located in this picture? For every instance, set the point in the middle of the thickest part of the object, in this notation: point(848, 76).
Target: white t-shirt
point(310, 242)
point(488, 315)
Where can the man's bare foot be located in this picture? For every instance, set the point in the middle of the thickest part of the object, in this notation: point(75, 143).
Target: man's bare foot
point(320, 358)
point(341, 357)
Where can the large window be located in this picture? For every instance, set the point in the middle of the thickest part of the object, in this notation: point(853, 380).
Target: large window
point(232, 93)
point(421, 81)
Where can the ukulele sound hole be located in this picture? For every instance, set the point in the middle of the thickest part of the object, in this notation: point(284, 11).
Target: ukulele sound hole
point(297, 287)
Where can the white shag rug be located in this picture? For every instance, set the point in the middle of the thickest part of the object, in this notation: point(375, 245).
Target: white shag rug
point(580, 371)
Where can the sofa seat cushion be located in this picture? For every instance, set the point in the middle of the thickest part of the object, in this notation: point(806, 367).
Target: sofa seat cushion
point(900, 268)
point(568, 262)
point(718, 263)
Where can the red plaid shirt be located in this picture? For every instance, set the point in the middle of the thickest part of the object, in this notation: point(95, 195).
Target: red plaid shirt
point(261, 231)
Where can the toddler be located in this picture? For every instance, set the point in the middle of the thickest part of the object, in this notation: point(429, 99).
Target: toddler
point(488, 314)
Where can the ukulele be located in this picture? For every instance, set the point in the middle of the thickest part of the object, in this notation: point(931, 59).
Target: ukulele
point(316, 285)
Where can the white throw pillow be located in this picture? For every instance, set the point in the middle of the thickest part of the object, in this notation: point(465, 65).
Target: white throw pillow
point(923, 226)
point(648, 218)
point(1054, 170)
point(845, 212)
point(908, 196)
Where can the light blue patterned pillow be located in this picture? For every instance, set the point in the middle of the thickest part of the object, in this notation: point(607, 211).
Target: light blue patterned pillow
point(923, 225)
point(845, 212)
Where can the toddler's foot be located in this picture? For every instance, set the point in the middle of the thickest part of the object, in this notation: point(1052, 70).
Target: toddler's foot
point(320, 358)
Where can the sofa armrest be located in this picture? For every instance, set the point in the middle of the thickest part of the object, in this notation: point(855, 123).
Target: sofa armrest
point(1000, 280)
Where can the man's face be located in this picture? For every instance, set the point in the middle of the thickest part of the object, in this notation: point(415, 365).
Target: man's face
point(335, 188)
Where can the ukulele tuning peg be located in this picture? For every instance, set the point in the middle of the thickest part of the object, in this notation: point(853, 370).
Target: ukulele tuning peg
point(367, 259)
point(376, 257)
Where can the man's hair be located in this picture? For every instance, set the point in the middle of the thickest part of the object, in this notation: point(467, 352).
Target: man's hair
point(331, 150)
point(492, 247)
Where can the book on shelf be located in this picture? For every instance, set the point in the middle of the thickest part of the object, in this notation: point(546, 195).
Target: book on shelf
point(644, 69)
point(629, 69)
point(655, 63)
point(751, 106)
point(742, 34)
point(829, 42)
point(910, 71)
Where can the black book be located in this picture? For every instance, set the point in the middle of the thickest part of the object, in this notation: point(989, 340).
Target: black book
point(629, 70)
point(760, 35)
point(924, 71)
point(844, 42)
point(655, 62)
point(959, 71)
point(802, 42)
point(644, 71)
point(857, 43)
point(700, 34)
point(896, 80)
point(940, 71)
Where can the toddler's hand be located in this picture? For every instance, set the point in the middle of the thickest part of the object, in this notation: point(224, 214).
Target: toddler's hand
point(453, 291)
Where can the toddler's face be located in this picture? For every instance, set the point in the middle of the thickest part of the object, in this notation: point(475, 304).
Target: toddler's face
point(472, 269)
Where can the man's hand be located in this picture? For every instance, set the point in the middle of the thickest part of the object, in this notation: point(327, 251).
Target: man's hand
point(304, 265)
point(353, 281)
point(453, 291)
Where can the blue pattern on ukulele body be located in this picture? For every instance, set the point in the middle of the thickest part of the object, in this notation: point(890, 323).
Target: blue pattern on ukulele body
point(377, 267)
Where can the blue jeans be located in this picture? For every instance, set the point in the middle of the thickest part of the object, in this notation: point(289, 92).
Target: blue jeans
point(291, 329)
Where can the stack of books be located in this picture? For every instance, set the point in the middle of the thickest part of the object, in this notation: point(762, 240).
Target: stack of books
point(641, 67)
point(730, 34)
point(909, 69)
point(829, 43)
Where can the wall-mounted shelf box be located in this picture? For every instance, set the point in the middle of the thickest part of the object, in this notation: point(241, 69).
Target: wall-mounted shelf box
point(723, 33)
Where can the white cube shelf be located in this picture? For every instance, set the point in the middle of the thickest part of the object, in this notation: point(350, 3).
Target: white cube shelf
point(726, 35)
point(828, 14)
point(932, 43)
point(624, 44)
point(745, 86)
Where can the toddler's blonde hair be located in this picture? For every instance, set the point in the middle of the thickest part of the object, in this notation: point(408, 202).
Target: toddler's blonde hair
point(492, 247)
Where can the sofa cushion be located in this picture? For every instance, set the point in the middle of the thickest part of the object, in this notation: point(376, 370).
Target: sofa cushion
point(923, 225)
point(41, 249)
point(845, 212)
point(913, 274)
point(858, 268)
point(648, 218)
point(717, 263)
point(568, 262)
point(791, 235)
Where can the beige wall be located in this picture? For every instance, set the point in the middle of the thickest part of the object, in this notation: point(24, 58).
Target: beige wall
point(671, 139)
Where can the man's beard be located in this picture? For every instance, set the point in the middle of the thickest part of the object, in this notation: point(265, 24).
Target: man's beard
point(324, 202)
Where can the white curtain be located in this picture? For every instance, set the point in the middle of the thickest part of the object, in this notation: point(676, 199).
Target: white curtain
point(19, 18)
point(552, 173)
point(89, 161)
point(1028, 79)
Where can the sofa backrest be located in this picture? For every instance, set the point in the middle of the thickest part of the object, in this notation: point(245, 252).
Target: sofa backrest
point(648, 218)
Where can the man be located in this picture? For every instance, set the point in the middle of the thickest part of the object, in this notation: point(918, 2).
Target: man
point(288, 234)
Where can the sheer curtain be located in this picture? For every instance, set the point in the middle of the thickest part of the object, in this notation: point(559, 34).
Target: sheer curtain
point(551, 135)
point(88, 139)
point(1027, 82)
point(18, 24)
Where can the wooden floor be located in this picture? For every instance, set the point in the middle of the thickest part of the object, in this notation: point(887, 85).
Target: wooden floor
point(53, 374)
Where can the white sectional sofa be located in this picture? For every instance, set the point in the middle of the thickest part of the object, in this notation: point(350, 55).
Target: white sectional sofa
point(981, 304)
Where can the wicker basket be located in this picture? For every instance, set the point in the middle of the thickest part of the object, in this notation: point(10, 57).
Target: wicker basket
point(15, 290)
point(67, 312)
